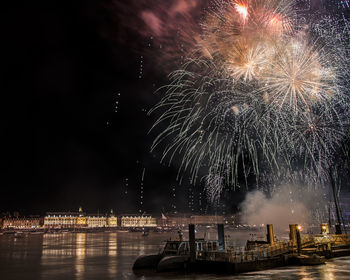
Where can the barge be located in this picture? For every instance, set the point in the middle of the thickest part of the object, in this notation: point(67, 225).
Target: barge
point(174, 256)
point(211, 256)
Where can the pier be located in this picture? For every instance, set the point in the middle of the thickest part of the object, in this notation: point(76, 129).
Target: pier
point(259, 255)
point(216, 256)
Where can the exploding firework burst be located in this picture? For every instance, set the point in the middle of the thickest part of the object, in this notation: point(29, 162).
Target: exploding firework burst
point(298, 74)
point(260, 95)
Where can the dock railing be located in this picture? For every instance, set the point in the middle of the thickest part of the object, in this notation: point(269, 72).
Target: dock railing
point(238, 254)
point(333, 239)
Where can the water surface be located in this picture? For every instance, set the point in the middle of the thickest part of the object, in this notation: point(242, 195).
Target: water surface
point(110, 255)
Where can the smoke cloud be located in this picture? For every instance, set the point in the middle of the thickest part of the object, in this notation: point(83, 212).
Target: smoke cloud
point(287, 205)
point(166, 30)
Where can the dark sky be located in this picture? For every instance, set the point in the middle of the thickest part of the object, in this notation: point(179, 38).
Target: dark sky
point(78, 81)
point(65, 145)
point(75, 109)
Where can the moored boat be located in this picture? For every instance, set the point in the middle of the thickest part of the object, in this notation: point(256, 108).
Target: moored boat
point(173, 256)
point(172, 263)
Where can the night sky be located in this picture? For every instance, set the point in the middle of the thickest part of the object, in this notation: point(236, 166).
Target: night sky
point(74, 109)
point(78, 82)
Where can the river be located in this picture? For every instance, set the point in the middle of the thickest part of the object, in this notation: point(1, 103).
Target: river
point(110, 255)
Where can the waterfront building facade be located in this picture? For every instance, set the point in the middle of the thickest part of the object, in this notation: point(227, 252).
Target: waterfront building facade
point(22, 222)
point(207, 219)
point(112, 220)
point(137, 221)
point(78, 220)
point(174, 221)
point(62, 220)
point(96, 220)
point(184, 220)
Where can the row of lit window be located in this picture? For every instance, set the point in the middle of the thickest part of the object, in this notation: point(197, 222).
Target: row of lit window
point(137, 219)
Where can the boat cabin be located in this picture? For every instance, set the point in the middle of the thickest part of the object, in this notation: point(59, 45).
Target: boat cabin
point(178, 247)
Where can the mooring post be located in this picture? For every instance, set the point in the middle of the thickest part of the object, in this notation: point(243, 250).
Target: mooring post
point(336, 202)
point(338, 229)
point(298, 239)
point(293, 234)
point(192, 241)
point(270, 234)
point(221, 237)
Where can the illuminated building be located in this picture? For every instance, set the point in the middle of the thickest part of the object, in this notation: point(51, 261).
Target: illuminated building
point(22, 222)
point(82, 221)
point(138, 221)
point(112, 220)
point(95, 220)
point(207, 220)
point(65, 219)
point(78, 220)
point(183, 221)
point(61, 220)
point(175, 221)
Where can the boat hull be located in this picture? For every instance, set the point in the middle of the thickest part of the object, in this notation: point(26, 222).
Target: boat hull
point(147, 261)
point(311, 260)
point(172, 263)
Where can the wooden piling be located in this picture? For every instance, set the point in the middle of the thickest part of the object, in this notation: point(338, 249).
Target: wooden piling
point(192, 242)
point(270, 234)
point(293, 233)
point(221, 237)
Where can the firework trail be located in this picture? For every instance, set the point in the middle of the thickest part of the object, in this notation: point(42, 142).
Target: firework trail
point(214, 186)
point(261, 95)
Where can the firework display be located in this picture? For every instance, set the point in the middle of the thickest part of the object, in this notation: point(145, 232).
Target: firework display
point(262, 95)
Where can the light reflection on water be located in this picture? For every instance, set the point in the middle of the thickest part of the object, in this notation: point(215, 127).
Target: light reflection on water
point(84, 256)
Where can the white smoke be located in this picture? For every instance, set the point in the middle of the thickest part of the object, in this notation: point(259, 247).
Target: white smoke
point(287, 205)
